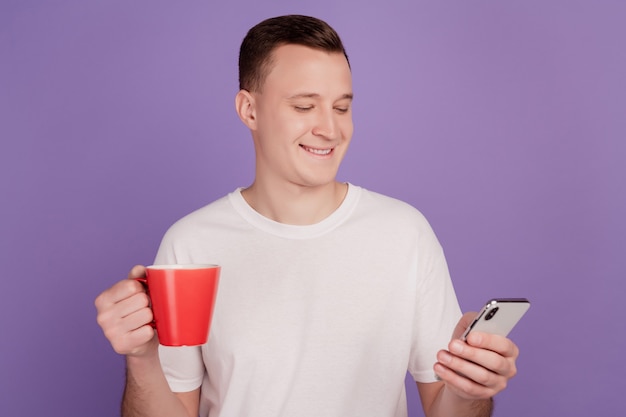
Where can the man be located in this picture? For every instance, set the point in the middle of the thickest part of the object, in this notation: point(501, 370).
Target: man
point(329, 292)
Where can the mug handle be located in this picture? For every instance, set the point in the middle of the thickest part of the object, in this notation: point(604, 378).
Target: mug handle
point(144, 283)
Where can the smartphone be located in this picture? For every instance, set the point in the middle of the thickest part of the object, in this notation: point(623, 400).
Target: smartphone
point(499, 316)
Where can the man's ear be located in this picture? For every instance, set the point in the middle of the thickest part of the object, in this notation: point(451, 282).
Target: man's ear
point(246, 109)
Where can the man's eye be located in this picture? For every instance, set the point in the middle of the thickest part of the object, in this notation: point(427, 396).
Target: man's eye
point(303, 108)
point(341, 110)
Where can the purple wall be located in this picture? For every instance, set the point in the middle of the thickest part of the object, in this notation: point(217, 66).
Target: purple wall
point(504, 122)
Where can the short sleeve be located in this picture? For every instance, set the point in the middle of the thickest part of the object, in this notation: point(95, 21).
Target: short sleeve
point(183, 367)
point(437, 310)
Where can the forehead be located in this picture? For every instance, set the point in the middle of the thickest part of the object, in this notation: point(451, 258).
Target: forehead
point(297, 69)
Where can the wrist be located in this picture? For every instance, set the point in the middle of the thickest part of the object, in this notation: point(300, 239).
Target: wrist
point(146, 359)
point(454, 404)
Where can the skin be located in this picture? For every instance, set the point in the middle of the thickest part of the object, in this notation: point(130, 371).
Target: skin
point(301, 125)
point(471, 373)
point(124, 315)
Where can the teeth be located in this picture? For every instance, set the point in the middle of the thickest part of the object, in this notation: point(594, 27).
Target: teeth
point(318, 151)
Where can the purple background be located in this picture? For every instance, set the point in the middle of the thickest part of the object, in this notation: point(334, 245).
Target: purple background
point(502, 121)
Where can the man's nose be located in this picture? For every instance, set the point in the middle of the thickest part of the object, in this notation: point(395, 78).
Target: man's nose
point(325, 124)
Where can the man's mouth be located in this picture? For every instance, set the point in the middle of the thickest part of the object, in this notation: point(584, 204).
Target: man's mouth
point(315, 151)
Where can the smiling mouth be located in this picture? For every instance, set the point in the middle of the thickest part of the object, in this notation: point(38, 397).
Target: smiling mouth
point(315, 151)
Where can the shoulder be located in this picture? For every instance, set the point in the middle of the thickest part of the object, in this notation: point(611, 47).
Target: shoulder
point(396, 224)
point(388, 216)
point(390, 208)
point(214, 213)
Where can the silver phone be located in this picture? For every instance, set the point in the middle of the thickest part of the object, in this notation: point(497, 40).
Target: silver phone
point(498, 316)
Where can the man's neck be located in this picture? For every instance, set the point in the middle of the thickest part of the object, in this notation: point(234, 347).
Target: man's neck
point(295, 204)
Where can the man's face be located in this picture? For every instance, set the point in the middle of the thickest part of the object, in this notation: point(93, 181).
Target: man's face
point(304, 117)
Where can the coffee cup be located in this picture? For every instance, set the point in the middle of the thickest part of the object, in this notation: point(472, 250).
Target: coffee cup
point(182, 299)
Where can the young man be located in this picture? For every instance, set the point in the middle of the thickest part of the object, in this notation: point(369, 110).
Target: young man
point(329, 292)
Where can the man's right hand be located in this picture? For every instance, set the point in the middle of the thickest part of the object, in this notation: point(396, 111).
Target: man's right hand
point(125, 316)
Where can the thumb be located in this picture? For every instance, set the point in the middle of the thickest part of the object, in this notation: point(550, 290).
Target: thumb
point(463, 324)
point(138, 271)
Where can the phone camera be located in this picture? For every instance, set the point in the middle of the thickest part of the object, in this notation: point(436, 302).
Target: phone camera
point(492, 313)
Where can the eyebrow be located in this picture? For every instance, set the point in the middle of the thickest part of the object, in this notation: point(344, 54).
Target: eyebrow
point(348, 96)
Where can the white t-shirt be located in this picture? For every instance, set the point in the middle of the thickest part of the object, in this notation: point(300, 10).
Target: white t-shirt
point(319, 320)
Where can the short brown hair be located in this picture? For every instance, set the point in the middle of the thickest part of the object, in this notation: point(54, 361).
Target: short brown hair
point(255, 54)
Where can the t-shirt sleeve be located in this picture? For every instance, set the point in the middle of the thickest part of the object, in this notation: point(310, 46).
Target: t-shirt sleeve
point(437, 310)
point(182, 366)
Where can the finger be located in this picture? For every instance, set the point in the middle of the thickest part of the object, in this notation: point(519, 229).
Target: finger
point(137, 271)
point(133, 342)
point(137, 340)
point(118, 292)
point(460, 384)
point(470, 379)
point(125, 315)
point(495, 343)
point(115, 326)
point(482, 365)
point(467, 319)
point(122, 289)
point(132, 304)
point(463, 324)
point(121, 331)
point(136, 320)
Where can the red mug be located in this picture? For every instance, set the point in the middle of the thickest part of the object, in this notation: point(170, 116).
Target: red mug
point(182, 297)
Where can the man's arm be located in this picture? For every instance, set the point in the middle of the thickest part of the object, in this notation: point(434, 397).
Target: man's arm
point(471, 374)
point(147, 393)
point(124, 315)
point(436, 401)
